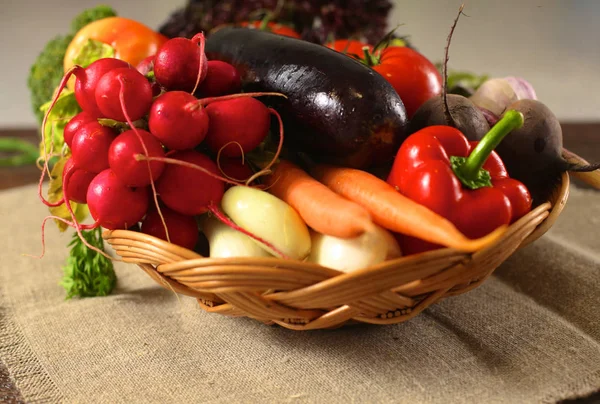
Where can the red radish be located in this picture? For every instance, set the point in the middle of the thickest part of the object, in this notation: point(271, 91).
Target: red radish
point(123, 91)
point(90, 147)
point(235, 169)
point(121, 158)
point(245, 121)
point(178, 120)
point(76, 182)
point(87, 80)
point(221, 79)
point(182, 229)
point(181, 64)
point(85, 87)
point(74, 124)
point(113, 205)
point(187, 190)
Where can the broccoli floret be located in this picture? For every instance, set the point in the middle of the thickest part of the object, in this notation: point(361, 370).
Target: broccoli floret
point(92, 14)
point(47, 71)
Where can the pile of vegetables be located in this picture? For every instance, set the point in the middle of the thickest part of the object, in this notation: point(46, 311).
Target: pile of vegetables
point(312, 20)
point(254, 143)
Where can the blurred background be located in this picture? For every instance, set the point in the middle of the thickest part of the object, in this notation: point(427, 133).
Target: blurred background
point(554, 44)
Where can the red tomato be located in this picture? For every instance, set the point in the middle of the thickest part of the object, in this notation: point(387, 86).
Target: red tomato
point(349, 46)
point(273, 27)
point(412, 75)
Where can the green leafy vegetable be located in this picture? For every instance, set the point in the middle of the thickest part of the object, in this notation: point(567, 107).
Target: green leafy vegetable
point(90, 15)
point(88, 273)
point(93, 50)
point(66, 107)
point(123, 126)
point(47, 70)
point(465, 83)
point(55, 194)
point(462, 82)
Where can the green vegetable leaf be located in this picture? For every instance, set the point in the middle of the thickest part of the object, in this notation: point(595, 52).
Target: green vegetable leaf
point(65, 108)
point(88, 273)
point(93, 50)
point(47, 71)
point(90, 15)
point(123, 126)
point(466, 80)
point(55, 194)
point(463, 82)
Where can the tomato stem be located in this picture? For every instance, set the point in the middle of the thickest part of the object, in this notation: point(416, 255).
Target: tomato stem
point(370, 58)
point(386, 40)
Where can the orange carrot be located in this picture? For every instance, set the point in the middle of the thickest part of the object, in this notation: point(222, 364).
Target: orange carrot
point(394, 211)
point(321, 209)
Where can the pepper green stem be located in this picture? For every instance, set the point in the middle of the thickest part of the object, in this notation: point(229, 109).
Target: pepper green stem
point(27, 153)
point(469, 170)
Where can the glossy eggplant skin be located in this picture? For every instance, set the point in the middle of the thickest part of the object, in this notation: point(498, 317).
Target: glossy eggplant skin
point(337, 110)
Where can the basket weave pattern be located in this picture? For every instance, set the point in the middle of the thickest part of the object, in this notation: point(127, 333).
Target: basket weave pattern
point(303, 296)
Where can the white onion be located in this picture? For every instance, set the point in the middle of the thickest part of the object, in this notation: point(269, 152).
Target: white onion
point(495, 95)
point(268, 217)
point(226, 242)
point(351, 254)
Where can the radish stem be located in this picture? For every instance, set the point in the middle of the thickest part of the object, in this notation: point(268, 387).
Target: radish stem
point(201, 40)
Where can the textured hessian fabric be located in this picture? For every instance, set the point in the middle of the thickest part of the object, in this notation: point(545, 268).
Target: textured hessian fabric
point(530, 334)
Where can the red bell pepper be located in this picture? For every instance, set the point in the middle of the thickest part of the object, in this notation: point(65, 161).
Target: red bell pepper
point(465, 182)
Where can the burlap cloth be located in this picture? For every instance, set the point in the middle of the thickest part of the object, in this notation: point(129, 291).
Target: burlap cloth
point(530, 334)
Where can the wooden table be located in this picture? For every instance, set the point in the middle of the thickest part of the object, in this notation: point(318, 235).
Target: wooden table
point(581, 138)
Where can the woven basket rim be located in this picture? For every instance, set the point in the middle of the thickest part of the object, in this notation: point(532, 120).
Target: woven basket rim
point(301, 295)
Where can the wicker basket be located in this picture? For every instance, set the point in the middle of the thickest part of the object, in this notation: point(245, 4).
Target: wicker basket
point(305, 296)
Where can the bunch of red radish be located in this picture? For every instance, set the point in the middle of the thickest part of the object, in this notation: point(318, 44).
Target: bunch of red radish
point(164, 176)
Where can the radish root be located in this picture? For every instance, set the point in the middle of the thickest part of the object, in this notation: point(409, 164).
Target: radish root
point(449, 120)
point(55, 97)
point(146, 154)
point(201, 40)
point(219, 161)
point(70, 224)
point(169, 160)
